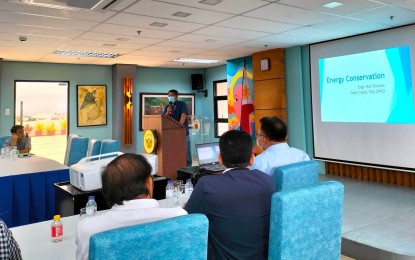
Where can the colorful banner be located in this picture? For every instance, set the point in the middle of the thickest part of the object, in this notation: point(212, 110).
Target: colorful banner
point(240, 95)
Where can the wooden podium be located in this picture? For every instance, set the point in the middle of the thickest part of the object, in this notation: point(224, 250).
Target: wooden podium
point(171, 143)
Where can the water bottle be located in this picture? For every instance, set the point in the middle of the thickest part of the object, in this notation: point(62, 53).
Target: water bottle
point(170, 194)
point(91, 207)
point(14, 154)
point(188, 189)
point(57, 229)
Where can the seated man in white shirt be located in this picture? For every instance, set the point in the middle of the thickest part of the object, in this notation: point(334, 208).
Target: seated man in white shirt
point(271, 137)
point(127, 186)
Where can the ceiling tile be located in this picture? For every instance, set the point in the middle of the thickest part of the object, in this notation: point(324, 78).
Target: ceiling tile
point(145, 21)
point(228, 6)
point(45, 21)
point(192, 37)
point(132, 31)
point(349, 25)
point(383, 15)
point(36, 30)
point(166, 10)
point(229, 32)
point(109, 37)
point(92, 16)
point(348, 7)
point(288, 14)
point(315, 33)
point(122, 45)
point(255, 24)
point(409, 4)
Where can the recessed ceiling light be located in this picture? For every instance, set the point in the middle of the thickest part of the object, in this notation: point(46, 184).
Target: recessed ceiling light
point(210, 40)
point(188, 60)
point(157, 24)
point(122, 39)
point(210, 2)
point(181, 14)
point(333, 5)
point(87, 54)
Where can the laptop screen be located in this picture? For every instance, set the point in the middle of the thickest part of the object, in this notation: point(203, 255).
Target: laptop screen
point(207, 153)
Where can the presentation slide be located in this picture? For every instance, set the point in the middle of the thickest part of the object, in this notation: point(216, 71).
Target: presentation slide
point(362, 92)
point(368, 87)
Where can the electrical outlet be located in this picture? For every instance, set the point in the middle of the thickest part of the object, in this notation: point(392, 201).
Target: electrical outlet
point(7, 112)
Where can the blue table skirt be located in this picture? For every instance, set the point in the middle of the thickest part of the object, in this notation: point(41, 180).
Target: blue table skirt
point(29, 198)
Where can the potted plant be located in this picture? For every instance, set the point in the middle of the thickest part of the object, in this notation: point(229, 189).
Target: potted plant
point(39, 129)
point(28, 129)
point(63, 127)
point(51, 129)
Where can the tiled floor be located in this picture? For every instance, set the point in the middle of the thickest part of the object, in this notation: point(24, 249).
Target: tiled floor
point(381, 216)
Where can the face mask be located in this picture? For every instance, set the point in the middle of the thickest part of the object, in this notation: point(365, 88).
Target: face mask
point(257, 142)
point(171, 99)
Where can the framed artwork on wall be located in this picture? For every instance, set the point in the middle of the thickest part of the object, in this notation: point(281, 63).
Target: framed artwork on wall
point(91, 105)
point(154, 104)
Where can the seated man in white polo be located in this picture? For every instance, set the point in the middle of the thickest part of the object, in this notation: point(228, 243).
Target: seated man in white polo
point(127, 186)
point(271, 137)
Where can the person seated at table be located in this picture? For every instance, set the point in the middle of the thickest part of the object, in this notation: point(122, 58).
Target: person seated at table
point(271, 137)
point(18, 139)
point(9, 249)
point(237, 202)
point(127, 186)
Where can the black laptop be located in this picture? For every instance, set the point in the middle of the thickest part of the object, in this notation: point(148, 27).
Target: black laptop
point(207, 156)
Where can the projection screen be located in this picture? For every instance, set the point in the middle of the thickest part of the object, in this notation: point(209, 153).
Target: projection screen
point(363, 99)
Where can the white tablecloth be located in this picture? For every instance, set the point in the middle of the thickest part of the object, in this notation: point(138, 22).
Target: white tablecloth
point(28, 165)
point(35, 242)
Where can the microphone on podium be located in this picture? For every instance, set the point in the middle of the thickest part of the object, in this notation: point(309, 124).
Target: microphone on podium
point(171, 105)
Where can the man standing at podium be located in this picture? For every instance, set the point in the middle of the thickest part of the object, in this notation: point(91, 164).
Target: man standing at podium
point(178, 110)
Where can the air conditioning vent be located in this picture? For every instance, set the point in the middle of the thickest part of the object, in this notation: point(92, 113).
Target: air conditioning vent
point(96, 5)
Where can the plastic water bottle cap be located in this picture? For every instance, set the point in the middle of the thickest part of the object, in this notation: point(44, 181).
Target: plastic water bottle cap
point(57, 217)
point(170, 181)
point(91, 198)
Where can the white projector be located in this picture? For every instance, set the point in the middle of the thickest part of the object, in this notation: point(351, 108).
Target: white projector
point(86, 174)
point(152, 159)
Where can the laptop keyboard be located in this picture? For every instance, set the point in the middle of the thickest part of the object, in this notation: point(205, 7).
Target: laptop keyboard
point(214, 168)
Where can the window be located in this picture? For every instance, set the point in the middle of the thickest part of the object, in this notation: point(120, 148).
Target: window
point(220, 109)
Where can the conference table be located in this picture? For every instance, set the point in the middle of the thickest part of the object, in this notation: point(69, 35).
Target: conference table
point(35, 242)
point(26, 189)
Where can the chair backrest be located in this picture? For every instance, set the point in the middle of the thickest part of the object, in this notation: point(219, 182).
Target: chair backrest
point(76, 149)
point(2, 139)
point(295, 175)
point(183, 237)
point(306, 223)
point(94, 147)
point(110, 146)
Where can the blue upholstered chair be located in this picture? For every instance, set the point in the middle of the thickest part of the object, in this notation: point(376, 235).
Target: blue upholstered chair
point(2, 139)
point(94, 147)
point(110, 146)
point(306, 223)
point(76, 149)
point(295, 175)
point(183, 237)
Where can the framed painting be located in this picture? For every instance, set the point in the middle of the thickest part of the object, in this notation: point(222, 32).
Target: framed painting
point(154, 104)
point(91, 105)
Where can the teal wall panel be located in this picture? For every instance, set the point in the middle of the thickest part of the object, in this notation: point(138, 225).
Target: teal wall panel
point(75, 74)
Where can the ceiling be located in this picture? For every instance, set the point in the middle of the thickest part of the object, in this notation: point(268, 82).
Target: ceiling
point(227, 30)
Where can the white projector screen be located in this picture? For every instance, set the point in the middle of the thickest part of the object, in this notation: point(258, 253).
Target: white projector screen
point(363, 99)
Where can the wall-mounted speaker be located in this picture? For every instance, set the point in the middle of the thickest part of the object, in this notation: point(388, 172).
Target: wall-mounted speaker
point(197, 81)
